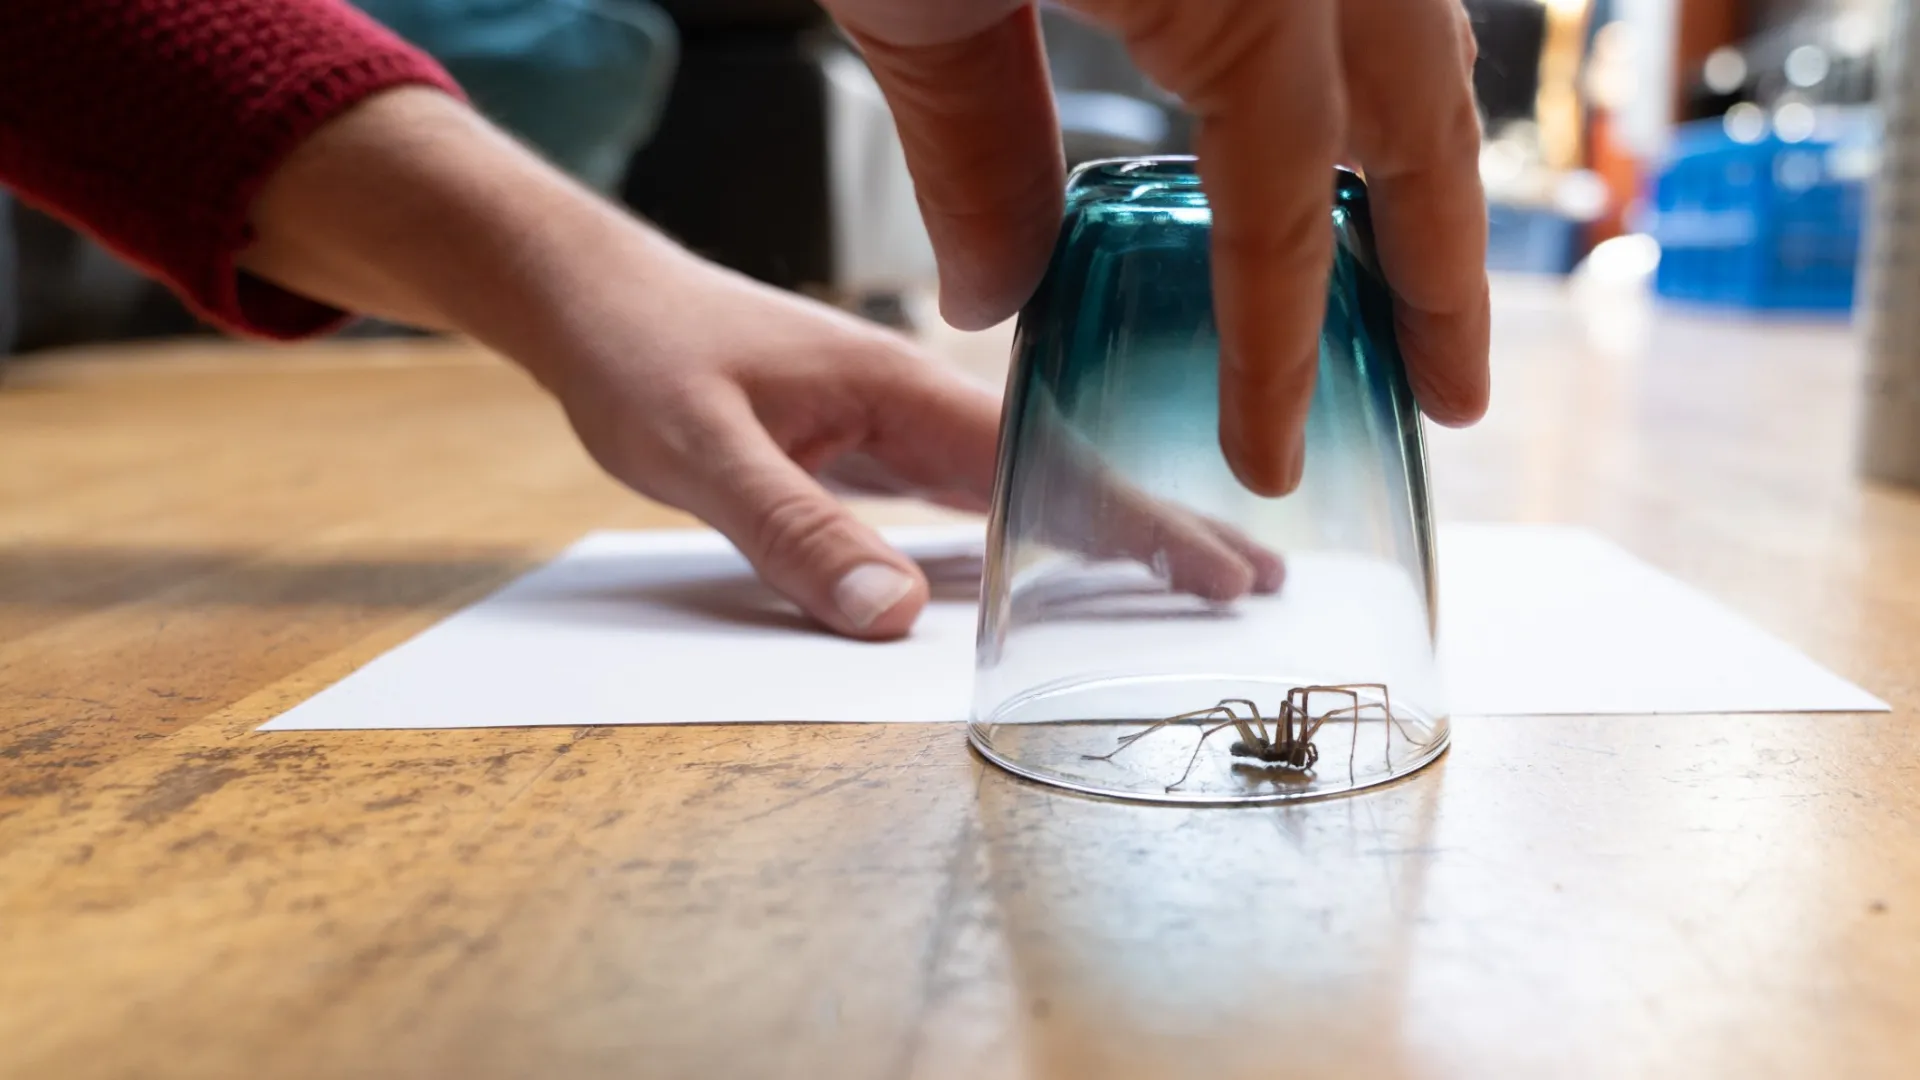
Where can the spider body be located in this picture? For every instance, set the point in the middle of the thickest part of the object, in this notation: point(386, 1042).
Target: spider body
point(1300, 756)
point(1283, 741)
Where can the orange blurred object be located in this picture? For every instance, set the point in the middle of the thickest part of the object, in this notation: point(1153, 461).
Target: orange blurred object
point(1618, 168)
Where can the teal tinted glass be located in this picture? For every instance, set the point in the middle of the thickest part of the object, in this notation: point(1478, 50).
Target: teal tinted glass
point(1126, 564)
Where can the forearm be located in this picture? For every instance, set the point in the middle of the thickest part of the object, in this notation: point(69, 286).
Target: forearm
point(152, 124)
point(413, 208)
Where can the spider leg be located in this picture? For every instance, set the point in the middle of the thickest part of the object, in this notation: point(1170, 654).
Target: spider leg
point(1382, 687)
point(1398, 724)
point(1204, 736)
point(1257, 735)
point(1290, 710)
point(1155, 726)
point(1354, 710)
point(1308, 732)
point(1353, 747)
point(1385, 705)
point(1302, 733)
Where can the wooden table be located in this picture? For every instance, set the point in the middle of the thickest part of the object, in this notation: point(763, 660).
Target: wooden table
point(192, 539)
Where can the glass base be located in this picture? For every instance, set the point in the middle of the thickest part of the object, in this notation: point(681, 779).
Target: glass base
point(1114, 738)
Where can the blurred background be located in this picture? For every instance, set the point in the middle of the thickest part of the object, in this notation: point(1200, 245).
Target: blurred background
point(1717, 153)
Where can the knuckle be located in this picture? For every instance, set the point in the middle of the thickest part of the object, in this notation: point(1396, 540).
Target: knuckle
point(793, 526)
point(1277, 383)
point(1198, 51)
point(1413, 92)
point(1458, 132)
point(1442, 138)
point(1463, 33)
point(1289, 244)
point(1459, 121)
point(1316, 131)
point(992, 186)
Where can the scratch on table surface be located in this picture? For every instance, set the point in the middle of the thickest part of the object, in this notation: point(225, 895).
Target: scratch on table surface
point(943, 932)
point(178, 788)
point(1602, 750)
point(393, 801)
point(812, 793)
point(36, 742)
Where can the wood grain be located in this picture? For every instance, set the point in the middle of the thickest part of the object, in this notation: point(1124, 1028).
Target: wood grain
point(194, 538)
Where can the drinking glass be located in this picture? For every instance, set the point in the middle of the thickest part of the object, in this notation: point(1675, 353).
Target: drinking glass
point(1150, 628)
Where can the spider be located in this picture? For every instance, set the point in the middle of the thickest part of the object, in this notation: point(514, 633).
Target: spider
point(1290, 747)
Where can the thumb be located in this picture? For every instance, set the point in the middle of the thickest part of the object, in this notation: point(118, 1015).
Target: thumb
point(805, 544)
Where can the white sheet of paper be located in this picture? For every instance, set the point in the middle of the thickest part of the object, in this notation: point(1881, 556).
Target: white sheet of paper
point(670, 627)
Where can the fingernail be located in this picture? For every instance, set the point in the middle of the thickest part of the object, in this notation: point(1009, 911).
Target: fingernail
point(1297, 463)
point(1270, 572)
point(869, 591)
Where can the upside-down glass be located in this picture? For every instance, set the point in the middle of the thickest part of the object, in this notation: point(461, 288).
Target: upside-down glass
point(1130, 578)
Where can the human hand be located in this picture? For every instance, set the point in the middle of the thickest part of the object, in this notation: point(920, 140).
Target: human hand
point(744, 405)
point(709, 392)
point(1282, 89)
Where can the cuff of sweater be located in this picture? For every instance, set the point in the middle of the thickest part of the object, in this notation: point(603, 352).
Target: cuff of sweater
point(211, 281)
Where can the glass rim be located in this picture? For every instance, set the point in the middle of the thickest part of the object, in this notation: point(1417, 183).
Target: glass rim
point(1130, 172)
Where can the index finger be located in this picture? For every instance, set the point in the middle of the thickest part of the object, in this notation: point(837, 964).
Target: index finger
point(1263, 81)
point(1409, 66)
point(968, 87)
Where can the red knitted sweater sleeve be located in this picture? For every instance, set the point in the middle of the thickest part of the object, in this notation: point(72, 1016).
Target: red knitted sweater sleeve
point(151, 125)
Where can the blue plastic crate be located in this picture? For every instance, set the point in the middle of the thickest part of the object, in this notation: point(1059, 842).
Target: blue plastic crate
point(1767, 225)
point(1528, 240)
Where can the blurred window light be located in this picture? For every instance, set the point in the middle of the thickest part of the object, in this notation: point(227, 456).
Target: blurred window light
point(1726, 70)
point(1797, 171)
point(1807, 65)
point(1624, 259)
point(1853, 34)
point(1853, 163)
point(1746, 123)
point(1611, 76)
point(1501, 163)
point(1794, 121)
point(1581, 195)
